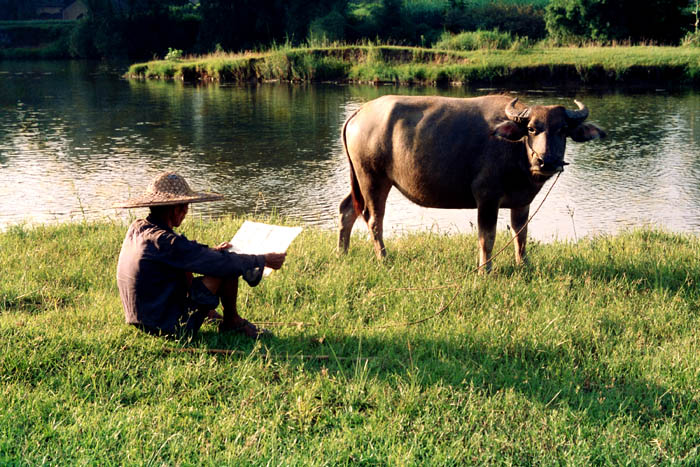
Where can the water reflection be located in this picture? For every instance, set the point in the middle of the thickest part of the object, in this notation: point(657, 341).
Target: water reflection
point(75, 138)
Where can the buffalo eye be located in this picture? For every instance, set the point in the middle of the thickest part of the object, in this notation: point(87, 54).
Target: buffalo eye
point(532, 130)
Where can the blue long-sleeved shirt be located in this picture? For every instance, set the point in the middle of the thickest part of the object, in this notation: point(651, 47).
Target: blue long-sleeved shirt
point(152, 272)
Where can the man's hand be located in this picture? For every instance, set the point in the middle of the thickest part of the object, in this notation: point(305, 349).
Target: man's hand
point(274, 260)
point(223, 246)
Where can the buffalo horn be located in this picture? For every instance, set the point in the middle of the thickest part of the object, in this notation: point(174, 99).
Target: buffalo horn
point(578, 115)
point(513, 114)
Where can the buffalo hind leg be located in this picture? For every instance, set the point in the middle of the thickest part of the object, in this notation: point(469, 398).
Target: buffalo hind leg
point(518, 220)
point(376, 204)
point(347, 220)
point(487, 216)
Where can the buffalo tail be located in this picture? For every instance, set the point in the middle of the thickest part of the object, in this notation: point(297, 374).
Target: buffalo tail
point(358, 201)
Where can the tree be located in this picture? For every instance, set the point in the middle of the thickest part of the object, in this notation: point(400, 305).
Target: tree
point(137, 29)
point(606, 20)
point(383, 19)
point(241, 24)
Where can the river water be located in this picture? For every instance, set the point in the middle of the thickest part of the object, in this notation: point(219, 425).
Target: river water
point(75, 138)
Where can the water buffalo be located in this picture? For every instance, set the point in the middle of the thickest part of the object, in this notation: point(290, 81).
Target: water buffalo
point(485, 152)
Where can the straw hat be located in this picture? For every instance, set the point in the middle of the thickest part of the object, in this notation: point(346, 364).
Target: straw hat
point(166, 189)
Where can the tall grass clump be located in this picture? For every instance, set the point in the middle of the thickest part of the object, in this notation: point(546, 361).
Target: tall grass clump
point(692, 39)
point(475, 40)
point(588, 355)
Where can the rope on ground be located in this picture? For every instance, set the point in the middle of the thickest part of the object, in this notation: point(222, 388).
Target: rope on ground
point(264, 355)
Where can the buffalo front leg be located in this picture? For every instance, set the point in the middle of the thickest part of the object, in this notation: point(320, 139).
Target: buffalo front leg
point(518, 220)
point(487, 217)
point(347, 220)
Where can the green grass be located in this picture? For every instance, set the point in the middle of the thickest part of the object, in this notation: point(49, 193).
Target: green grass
point(586, 356)
point(408, 65)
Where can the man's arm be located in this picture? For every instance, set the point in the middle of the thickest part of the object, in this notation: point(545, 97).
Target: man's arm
point(182, 253)
point(275, 260)
point(191, 256)
point(272, 260)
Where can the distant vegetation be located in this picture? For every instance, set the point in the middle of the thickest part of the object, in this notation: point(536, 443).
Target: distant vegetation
point(35, 39)
point(143, 30)
point(664, 21)
point(490, 64)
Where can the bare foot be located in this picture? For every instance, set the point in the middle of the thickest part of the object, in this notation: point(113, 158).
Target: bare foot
point(214, 316)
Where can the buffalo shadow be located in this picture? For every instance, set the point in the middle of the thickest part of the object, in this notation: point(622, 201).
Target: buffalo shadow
point(577, 376)
point(548, 375)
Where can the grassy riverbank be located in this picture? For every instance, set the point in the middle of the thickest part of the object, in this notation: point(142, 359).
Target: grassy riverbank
point(633, 65)
point(588, 355)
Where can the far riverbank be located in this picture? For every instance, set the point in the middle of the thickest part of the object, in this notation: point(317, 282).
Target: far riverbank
point(554, 66)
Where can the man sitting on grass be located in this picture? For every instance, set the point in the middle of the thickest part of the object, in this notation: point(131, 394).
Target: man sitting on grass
point(154, 273)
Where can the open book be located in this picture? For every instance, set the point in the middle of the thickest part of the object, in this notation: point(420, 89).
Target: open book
point(256, 238)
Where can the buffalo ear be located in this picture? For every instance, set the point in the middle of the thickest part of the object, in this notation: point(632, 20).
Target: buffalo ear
point(586, 132)
point(509, 130)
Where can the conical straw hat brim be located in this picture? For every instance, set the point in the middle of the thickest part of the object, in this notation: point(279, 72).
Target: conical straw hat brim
point(160, 199)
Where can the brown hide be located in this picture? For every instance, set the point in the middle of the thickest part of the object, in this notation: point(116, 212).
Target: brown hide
point(485, 152)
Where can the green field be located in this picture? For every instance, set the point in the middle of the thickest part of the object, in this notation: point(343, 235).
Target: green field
point(589, 355)
point(633, 65)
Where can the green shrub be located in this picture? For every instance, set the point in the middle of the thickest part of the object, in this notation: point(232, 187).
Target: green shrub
point(374, 55)
point(692, 39)
point(328, 68)
point(329, 28)
point(519, 19)
point(475, 40)
point(173, 54)
point(138, 70)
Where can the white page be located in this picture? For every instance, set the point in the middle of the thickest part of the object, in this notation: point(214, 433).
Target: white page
point(256, 238)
